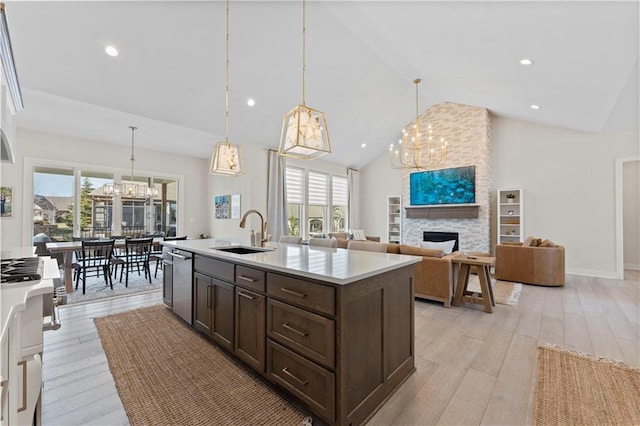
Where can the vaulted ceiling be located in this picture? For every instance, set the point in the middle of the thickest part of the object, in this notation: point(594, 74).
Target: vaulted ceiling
point(362, 57)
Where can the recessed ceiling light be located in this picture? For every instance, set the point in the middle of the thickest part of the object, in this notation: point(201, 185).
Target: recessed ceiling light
point(364, 145)
point(111, 51)
point(535, 106)
point(251, 102)
point(526, 61)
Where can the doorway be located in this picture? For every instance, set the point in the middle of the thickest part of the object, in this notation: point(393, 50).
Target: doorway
point(627, 213)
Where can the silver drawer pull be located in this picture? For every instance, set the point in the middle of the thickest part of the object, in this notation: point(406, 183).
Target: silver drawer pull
point(251, 280)
point(302, 382)
point(245, 295)
point(298, 332)
point(294, 293)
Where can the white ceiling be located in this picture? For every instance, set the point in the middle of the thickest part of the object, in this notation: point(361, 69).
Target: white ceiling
point(362, 57)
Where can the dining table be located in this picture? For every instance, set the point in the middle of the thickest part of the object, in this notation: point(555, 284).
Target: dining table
point(68, 248)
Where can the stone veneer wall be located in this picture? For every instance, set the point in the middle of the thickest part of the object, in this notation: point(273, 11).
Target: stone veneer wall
point(467, 130)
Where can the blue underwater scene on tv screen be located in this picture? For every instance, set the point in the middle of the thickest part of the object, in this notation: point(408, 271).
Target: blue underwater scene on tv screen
point(446, 186)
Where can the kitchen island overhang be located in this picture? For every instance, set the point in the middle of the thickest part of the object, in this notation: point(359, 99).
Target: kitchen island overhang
point(333, 327)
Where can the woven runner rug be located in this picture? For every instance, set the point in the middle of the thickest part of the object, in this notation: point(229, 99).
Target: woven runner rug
point(577, 389)
point(504, 292)
point(168, 374)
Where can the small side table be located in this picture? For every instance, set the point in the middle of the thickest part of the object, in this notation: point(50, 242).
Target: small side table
point(483, 265)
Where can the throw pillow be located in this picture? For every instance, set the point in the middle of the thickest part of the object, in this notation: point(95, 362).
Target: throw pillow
point(547, 243)
point(419, 251)
point(358, 235)
point(445, 246)
point(527, 242)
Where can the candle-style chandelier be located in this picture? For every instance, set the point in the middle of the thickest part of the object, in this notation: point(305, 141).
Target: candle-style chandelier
point(415, 150)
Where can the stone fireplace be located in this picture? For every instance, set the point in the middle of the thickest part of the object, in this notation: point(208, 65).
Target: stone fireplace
point(467, 130)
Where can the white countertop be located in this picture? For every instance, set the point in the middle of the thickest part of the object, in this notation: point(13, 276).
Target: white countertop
point(338, 266)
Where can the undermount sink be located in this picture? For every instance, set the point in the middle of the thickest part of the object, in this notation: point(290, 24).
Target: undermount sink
point(242, 249)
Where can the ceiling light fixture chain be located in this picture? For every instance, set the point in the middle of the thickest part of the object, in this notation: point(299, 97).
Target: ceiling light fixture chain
point(415, 152)
point(226, 158)
point(304, 132)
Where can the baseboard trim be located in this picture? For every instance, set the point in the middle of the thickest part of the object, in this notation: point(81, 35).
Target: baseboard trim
point(592, 273)
point(632, 266)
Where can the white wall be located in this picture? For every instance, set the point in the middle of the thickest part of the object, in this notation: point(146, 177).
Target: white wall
point(252, 188)
point(52, 147)
point(378, 181)
point(569, 184)
point(631, 214)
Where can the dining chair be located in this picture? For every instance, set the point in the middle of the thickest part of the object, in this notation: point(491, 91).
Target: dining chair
point(95, 256)
point(290, 239)
point(136, 255)
point(158, 255)
point(323, 242)
point(367, 246)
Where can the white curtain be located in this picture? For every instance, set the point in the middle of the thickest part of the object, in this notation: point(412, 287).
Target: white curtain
point(276, 197)
point(354, 198)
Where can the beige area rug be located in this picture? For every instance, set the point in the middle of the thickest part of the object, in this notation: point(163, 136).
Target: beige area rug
point(168, 374)
point(577, 389)
point(504, 292)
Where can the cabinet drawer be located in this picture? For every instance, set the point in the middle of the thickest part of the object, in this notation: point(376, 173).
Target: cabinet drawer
point(250, 278)
point(302, 293)
point(308, 381)
point(215, 268)
point(308, 334)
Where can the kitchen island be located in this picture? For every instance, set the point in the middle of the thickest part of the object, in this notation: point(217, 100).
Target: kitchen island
point(332, 327)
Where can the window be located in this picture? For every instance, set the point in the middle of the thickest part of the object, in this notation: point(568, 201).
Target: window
point(53, 202)
point(340, 201)
point(317, 202)
point(295, 199)
point(71, 201)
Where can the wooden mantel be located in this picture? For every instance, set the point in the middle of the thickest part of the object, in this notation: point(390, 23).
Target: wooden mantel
point(445, 211)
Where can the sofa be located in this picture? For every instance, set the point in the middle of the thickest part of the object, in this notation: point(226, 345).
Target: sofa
point(541, 264)
point(343, 240)
point(435, 277)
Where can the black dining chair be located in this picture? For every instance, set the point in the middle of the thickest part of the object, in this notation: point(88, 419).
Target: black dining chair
point(136, 255)
point(95, 255)
point(157, 255)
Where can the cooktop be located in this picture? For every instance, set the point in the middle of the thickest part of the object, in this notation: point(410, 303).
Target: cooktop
point(20, 269)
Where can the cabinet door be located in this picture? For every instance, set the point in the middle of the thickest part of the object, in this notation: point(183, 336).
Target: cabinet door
point(223, 313)
point(250, 328)
point(202, 303)
point(167, 283)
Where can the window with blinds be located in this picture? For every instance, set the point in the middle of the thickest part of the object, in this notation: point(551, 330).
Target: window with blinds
point(317, 202)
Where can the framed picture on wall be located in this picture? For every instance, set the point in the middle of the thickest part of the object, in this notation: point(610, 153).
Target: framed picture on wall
point(222, 206)
point(6, 201)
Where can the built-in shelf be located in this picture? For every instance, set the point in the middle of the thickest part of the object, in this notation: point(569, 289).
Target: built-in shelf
point(446, 211)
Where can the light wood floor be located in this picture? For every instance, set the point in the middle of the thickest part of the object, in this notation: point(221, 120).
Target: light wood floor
point(472, 367)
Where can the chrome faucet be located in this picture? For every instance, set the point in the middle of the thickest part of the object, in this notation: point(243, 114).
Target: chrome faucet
point(263, 237)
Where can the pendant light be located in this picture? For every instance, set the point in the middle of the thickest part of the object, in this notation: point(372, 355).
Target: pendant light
point(304, 130)
point(226, 158)
point(132, 189)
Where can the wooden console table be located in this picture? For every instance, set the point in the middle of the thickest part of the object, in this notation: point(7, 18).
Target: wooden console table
point(483, 265)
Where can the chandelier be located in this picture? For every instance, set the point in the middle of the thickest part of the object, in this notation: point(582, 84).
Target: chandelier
point(226, 158)
point(131, 189)
point(415, 151)
point(304, 130)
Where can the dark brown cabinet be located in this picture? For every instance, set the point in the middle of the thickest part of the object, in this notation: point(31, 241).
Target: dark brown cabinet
point(250, 328)
point(342, 350)
point(214, 309)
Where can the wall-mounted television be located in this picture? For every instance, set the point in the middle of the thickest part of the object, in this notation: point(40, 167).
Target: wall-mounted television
point(445, 186)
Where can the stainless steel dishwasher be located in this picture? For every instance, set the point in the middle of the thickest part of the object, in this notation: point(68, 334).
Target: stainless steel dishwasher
point(182, 283)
